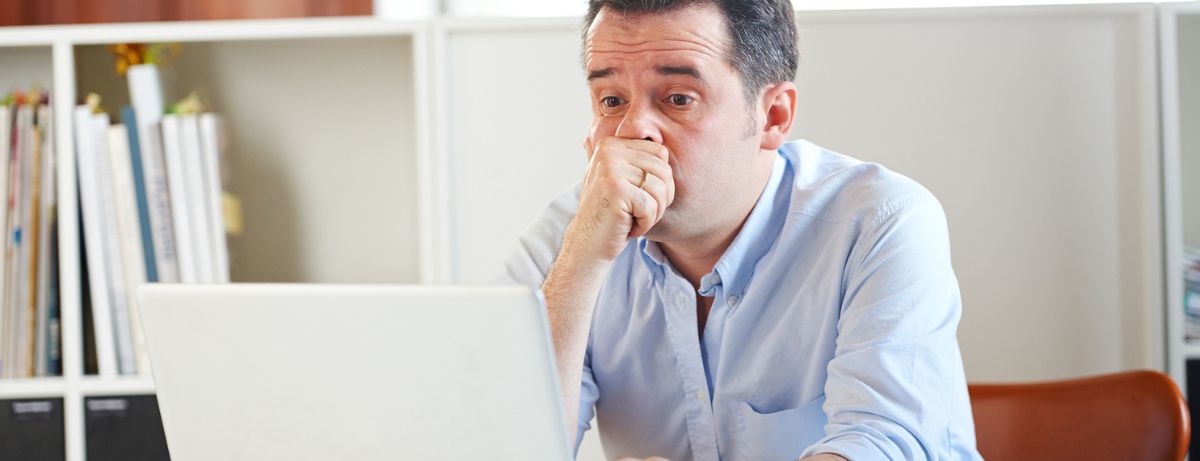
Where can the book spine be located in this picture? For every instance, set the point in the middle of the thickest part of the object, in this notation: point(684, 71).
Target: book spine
point(5, 149)
point(145, 95)
point(8, 337)
point(34, 245)
point(128, 230)
point(54, 324)
point(139, 183)
point(212, 142)
point(43, 205)
point(20, 262)
point(177, 190)
point(162, 227)
point(197, 209)
point(90, 194)
point(7, 294)
point(111, 239)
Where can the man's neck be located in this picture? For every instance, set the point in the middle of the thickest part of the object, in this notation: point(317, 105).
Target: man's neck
point(696, 257)
point(694, 260)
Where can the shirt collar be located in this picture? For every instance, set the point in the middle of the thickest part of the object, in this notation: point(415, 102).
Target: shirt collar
point(757, 235)
point(653, 257)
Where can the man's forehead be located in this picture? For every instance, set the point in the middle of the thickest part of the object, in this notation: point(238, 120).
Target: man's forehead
point(693, 30)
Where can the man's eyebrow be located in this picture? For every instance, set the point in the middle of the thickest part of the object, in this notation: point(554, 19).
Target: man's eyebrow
point(662, 70)
point(680, 70)
point(601, 73)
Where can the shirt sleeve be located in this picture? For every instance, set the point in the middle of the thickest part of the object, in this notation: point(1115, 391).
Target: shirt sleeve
point(588, 394)
point(896, 378)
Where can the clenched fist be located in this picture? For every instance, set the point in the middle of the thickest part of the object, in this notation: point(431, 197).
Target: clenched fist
point(626, 191)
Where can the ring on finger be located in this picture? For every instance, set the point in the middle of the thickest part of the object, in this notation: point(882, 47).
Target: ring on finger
point(645, 174)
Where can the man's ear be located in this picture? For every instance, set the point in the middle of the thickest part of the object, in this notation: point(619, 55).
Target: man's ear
point(779, 105)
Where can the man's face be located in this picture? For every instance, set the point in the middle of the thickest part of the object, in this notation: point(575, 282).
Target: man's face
point(667, 77)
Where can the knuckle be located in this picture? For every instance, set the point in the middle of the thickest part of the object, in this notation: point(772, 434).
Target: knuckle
point(610, 164)
point(607, 144)
point(613, 182)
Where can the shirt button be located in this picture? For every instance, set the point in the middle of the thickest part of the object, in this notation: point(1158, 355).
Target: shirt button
point(702, 396)
point(733, 300)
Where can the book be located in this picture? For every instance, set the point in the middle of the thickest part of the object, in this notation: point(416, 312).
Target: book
point(5, 150)
point(111, 237)
point(54, 311)
point(129, 231)
point(9, 337)
point(145, 94)
point(213, 148)
point(194, 181)
point(16, 258)
point(139, 183)
point(5, 153)
point(32, 246)
point(173, 158)
point(46, 207)
point(88, 141)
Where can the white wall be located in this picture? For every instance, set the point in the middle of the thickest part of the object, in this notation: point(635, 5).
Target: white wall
point(1189, 114)
point(1035, 126)
point(1032, 126)
point(517, 120)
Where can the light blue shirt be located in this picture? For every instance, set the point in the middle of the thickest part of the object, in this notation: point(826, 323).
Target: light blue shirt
point(832, 328)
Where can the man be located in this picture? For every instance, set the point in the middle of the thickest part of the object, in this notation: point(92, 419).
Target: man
point(716, 293)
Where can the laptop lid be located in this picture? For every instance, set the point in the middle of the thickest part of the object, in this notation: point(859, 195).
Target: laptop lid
point(320, 372)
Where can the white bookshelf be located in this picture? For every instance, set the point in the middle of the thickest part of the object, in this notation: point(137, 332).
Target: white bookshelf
point(1179, 26)
point(328, 126)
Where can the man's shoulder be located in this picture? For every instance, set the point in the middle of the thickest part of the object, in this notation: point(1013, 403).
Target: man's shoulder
point(835, 187)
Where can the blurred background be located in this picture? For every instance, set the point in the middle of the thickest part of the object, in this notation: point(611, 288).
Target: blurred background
point(356, 141)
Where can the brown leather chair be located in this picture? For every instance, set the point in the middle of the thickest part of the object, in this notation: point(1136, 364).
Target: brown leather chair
point(1134, 415)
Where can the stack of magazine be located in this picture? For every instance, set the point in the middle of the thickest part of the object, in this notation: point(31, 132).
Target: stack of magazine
point(29, 320)
point(152, 200)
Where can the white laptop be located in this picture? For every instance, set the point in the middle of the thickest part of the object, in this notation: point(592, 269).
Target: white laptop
point(343, 372)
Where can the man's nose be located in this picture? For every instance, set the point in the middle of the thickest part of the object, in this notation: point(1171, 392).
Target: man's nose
point(639, 123)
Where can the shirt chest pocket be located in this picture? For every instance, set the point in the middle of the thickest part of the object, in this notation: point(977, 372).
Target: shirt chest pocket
point(780, 435)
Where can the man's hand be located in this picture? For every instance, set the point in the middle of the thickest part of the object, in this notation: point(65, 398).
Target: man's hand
point(626, 191)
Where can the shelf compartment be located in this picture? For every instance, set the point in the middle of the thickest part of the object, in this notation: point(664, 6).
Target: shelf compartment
point(322, 149)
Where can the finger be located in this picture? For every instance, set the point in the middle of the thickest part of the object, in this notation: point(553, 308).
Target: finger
point(650, 162)
point(660, 170)
point(622, 168)
point(650, 147)
point(658, 189)
point(643, 208)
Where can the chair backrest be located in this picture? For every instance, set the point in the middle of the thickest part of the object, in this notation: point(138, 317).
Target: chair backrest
point(1129, 416)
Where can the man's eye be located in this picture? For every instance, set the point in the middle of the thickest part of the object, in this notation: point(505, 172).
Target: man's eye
point(679, 99)
point(610, 101)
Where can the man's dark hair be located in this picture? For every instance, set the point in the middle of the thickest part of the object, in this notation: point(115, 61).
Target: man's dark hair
point(763, 32)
